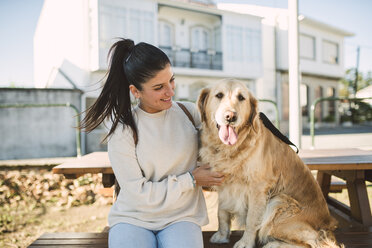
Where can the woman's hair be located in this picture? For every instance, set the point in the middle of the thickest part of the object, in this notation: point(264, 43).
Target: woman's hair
point(129, 64)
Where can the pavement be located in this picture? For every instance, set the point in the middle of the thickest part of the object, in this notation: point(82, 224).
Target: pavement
point(357, 136)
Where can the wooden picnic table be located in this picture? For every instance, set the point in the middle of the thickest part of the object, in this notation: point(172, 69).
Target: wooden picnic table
point(352, 165)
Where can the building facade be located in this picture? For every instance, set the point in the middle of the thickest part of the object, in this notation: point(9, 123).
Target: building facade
point(205, 43)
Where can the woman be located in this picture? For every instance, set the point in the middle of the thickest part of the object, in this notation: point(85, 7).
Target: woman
point(153, 150)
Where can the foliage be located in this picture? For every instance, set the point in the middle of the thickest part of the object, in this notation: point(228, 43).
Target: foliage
point(329, 119)
point(357, 112)
point(347, 83)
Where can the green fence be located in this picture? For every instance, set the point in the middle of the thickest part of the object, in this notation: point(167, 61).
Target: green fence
point(321, 99)
point(277, 124)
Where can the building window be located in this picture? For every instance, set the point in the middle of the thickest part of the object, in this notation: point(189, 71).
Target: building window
point(305, 99)
point(166, 31)
point(115, 21)
point(112, 24)
point(244, 45)
point(235, 43)
point(307, 47)
point(199, 39)
point(166, 40)
point(253, 45)
point(141, 26)
point(330, 53)
point(217, 39)
point(200, 45)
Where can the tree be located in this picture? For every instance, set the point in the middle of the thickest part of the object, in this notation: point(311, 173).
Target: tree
point(347, 83)
point(360, 111)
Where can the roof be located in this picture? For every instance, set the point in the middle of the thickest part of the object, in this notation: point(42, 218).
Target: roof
point(313, 22)
point(365, 92)
point(272, 13)
point(198, 7)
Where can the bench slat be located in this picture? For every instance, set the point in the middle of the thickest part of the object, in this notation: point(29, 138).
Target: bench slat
point(351, 238)
point(72, 246)
point(74, 235)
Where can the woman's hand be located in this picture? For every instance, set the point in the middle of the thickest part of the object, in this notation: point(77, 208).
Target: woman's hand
point(205, 177)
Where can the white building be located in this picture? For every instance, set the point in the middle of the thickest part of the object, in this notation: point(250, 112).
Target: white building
point(205, 43)
point(365, 92)
point(321, 60)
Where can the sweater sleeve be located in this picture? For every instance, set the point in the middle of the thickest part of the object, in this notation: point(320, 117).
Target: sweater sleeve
point(142, 193)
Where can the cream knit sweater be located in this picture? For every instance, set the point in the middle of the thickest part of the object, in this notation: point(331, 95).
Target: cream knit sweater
point(156, 188)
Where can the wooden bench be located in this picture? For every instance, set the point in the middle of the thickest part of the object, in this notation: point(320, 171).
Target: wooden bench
point(352, 238)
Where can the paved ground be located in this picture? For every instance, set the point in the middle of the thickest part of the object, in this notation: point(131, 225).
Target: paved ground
point(361, 128)
point(358, 136)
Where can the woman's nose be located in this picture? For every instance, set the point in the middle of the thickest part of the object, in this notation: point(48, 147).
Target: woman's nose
point(170, 91)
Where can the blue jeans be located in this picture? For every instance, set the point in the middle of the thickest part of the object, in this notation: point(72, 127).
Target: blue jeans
point(179, 235)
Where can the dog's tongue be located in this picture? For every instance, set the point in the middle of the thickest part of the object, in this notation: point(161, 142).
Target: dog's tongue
point(227, 135)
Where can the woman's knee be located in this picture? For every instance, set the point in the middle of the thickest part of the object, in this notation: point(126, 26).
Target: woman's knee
point(181, 235)
point(127, 235)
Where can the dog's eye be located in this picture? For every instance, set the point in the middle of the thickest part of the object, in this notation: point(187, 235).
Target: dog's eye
point(241, 98)
point(219, 95)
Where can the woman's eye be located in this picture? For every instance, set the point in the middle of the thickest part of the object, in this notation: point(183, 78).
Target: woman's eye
point(159, 88)
point(219, 95)
point(241, 98)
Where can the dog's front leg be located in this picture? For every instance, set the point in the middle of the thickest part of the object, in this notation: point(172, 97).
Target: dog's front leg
point(224, 223)
point(256, 209)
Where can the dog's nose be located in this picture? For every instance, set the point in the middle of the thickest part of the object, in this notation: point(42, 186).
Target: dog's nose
point(230, 116)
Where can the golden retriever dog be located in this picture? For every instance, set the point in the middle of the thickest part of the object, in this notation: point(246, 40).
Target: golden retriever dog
point(267, 187)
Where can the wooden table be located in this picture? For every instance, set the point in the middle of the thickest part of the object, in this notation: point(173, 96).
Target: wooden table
point(352, 165)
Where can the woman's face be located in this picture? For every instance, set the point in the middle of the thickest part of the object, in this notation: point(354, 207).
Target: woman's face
point(156, 94)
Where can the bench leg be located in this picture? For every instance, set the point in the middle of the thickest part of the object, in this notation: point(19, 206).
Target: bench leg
point(359, 203)
point(324, 181)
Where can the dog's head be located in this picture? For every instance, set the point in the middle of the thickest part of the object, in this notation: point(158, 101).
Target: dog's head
point(229, 107)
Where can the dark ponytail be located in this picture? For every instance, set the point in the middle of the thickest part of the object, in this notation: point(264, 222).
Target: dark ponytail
point(130, 64)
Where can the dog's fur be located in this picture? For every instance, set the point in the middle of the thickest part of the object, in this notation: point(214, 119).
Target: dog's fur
point(267, 187)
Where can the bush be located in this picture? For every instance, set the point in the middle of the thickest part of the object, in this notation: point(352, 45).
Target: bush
point(329, 119)
point(361, 112)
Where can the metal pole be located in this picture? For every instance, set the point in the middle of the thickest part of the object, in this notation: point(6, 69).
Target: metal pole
point(355, 86)
point(295, 129)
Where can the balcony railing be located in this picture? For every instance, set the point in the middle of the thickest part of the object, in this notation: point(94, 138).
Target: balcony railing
point(182, 57)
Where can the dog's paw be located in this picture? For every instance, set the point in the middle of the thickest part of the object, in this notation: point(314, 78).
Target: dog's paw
point(243, 244)
point(220, 238)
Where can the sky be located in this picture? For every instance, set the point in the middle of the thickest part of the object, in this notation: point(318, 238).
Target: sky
point(18, 20)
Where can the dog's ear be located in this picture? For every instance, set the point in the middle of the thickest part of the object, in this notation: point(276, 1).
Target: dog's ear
point(254, 110)
point(202, 101)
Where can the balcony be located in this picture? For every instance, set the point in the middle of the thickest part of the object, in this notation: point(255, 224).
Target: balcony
point(188, 58)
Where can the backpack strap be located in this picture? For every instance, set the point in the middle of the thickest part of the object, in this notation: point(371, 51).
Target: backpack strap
point(187, 113)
